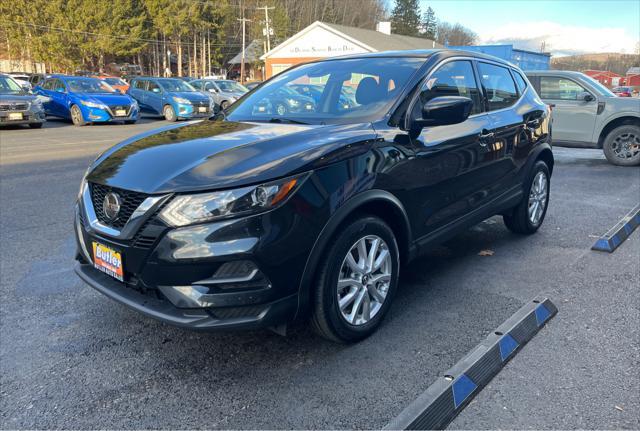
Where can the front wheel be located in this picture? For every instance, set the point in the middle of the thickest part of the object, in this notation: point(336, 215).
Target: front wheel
point(169, 113)
point(76, 116)
point(527, 217)
point(130, 121)
point(35, 125)
point(356, 281)
point(224, 105)
point(622, 146)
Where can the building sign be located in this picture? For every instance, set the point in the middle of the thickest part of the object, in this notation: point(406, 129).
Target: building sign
point(318, 42)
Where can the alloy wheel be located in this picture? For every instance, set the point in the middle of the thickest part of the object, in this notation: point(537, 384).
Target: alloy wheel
point(626, 145)
point(76, 115)
point(537, 198)
point(364, 280)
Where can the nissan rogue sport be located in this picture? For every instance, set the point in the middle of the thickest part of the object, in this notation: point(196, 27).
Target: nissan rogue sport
point(253, 219)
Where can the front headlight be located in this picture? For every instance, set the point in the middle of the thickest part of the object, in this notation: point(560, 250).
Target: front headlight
point(93, 104)
point(181, 100)
point(293, 102)
point(134, 103)
point(200, 207)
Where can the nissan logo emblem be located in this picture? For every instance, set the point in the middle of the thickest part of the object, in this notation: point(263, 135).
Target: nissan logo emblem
point(111, 205)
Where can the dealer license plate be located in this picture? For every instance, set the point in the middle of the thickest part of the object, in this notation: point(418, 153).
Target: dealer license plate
point(121, 113)
point(202, 109)
point(108, 261)
point(15, 116)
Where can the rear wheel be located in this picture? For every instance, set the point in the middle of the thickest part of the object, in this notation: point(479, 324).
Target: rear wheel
point(169, 113)
point(622, 146)
point(281, 109)
point(76, 116)
point(35, 125)
point(527, 217)
point(356, 281)
point(224, 105)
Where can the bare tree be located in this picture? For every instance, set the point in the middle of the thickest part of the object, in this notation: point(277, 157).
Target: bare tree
point(455, 34)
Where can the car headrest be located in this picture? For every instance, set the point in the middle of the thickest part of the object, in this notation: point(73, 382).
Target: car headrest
point(369, 91)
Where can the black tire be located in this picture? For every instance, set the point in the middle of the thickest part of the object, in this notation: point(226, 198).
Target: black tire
point(622, 146)
point(518, 219)
point(130, 121)
point(35, 125)
point(327, 320)
point(169, 113)
point(224, 105)
point(76, 116)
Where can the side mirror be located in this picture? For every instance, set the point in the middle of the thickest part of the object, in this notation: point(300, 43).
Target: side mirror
point(444, 110)
point(586, 96)
point(155, 90)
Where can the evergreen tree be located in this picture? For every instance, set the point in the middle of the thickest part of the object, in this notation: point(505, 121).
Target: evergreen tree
point(430, 24)
point(405, 18)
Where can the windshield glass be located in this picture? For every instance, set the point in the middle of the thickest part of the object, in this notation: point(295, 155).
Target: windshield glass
point(88, 85)
point(114, 81)
point(9, 86)
point(374, 84)
point(599, 87)
point(231, 86)
point(175, 85)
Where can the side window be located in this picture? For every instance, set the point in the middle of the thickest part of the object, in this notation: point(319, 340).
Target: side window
point(153, 87)
point(455, 78)
point(209, 86)
point(196, 84)
point(139, 84)
point(520, 82)
point(553, 87)
point(58, 84)
point(500, 88)
point(48, 84)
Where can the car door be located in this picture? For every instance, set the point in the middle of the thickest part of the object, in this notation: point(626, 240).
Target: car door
point(136, 90)
point(59, 99)
point(210, 88)
point(45, 89)
point(454, 162)
point(153, 97)
point(509, 118)
point(574, 118)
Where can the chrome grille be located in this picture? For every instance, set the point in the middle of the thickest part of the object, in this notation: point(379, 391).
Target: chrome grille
point(130, 202)
point(14, 107)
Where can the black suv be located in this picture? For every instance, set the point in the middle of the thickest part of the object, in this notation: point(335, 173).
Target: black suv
point(253, 219)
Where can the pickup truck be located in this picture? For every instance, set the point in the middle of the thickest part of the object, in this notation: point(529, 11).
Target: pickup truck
point(587, 114)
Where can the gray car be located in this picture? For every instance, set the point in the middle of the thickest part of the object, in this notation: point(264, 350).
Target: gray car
point(587, 114)
point(223, 92)
point(17, 106)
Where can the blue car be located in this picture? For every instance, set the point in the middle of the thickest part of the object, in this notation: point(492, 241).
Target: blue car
point(86, 100)
point(171, 97)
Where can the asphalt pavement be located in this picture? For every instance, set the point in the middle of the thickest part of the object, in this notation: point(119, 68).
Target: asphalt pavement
point(71, 358)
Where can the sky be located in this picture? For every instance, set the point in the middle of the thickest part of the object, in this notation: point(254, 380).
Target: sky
point(567, 27)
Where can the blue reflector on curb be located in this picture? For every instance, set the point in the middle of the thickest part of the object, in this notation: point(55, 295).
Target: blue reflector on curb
point(638, 218)
point(462, 388)
point(615, 240)
point(628, 229)
point(602, 244)
point(542, 314)
point(507, 346)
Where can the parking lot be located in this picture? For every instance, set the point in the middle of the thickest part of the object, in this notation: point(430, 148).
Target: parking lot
point(71, 358)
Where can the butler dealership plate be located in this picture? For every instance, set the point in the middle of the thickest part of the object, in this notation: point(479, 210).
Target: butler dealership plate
point(108, 261)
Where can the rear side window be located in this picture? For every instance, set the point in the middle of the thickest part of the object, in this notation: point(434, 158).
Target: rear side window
point(500, 88)
point(139, 84)
point(520, 82)
point(553, 87)
point(455, 78)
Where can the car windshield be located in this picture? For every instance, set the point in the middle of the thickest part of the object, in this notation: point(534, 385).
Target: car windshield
point(88, 85)
point(175, 85)
point(374, 82)
point(114, 81)
point(231, 86)
point(604, 91)
point(9, 86)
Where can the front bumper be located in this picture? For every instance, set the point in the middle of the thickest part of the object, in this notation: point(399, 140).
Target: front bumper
point(98, 115)
point(239, 273)
point(28, 117)
point(185, 111)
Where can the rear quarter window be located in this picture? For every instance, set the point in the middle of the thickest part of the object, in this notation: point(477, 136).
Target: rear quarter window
point(521, 83)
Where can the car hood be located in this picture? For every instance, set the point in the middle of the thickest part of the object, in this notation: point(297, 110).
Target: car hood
point(625, 103)
point(106, 98)
point(10, 98)
point(191, 96)
point(209, 154)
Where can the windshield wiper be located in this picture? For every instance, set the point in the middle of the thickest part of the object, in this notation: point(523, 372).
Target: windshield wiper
point(285, 120)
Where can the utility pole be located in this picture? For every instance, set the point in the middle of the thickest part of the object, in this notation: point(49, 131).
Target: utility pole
point(266, 23)
point(244, 21)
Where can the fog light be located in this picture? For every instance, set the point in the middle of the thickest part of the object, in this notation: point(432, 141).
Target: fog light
point(233, 272)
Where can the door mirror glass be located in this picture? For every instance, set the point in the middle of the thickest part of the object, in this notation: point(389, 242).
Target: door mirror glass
point(445, 110)
point(586, 96)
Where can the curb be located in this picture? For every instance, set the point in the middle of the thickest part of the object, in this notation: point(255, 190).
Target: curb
point(619, 233)
point(443, 400)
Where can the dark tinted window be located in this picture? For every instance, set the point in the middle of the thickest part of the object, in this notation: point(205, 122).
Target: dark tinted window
point(48, 84)
point(455, 78)
point(153, 86)
point(520, 82)
point(553, 87)
point(500, 88)
point(139, 84)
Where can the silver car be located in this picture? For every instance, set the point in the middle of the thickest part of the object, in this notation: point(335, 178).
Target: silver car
point(17, 106)
point(223, 92)
point(588, 114)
